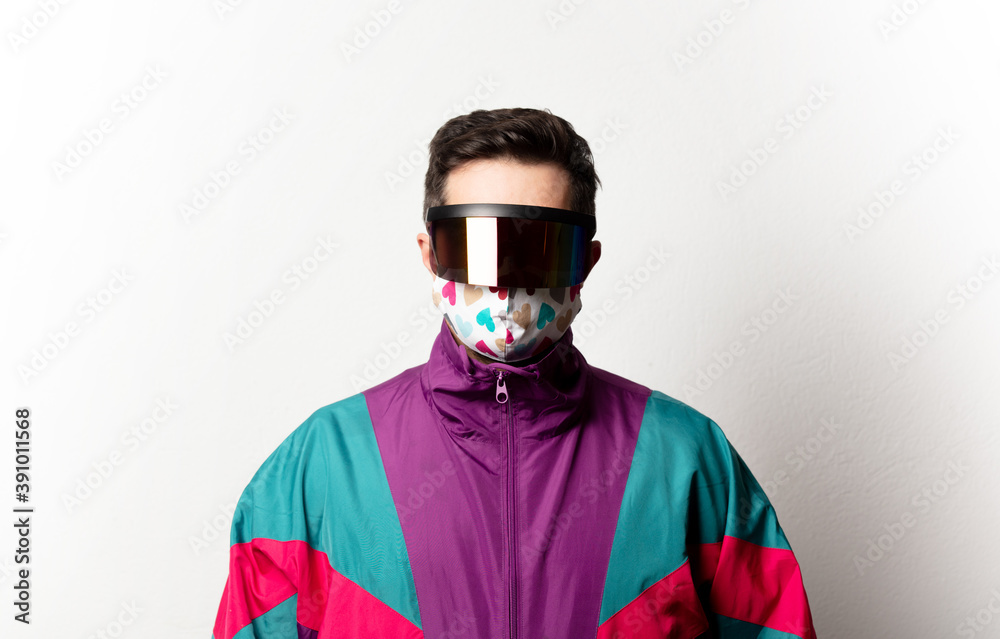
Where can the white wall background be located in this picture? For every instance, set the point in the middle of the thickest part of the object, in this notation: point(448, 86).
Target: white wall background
point(892, 510)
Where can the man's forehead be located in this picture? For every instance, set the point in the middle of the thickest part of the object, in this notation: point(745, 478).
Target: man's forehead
point(506, 181)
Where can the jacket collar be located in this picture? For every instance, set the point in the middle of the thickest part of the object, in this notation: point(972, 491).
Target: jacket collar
point(545, 397)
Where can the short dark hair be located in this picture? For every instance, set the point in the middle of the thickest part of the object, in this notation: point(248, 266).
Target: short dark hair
point(526, 135)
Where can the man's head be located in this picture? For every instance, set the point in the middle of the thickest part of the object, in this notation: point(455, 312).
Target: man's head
point(510, 156)
point(527, 136)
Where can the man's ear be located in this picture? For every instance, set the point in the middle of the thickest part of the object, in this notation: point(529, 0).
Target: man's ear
point(424, 242)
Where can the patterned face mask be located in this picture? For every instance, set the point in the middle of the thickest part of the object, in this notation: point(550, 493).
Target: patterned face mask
point(507, 324)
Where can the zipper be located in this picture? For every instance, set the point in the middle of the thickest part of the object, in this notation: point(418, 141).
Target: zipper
point(510, 503)
point(501, 388)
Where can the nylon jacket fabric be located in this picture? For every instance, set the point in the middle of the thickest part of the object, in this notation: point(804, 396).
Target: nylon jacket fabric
point(554, 500)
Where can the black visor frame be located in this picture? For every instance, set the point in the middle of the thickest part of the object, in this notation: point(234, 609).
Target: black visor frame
point(510, 245)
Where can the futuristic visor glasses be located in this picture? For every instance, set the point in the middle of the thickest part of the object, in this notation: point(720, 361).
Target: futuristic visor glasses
point(508, 245)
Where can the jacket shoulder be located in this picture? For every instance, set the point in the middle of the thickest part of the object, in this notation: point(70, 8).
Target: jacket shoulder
point(344, 419)
point(669, 427)
point(674, 431)
point(334, 444)
point(610, 380)
point(672, 417)
point(324, 489)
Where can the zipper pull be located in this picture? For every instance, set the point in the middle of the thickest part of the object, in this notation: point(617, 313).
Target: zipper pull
point(501, 388)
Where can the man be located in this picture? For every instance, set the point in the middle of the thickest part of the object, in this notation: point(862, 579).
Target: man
point(507, 488)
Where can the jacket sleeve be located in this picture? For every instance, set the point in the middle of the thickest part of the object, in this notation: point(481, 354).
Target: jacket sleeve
point(747, 575)
point(268, 567)
point(316, 543)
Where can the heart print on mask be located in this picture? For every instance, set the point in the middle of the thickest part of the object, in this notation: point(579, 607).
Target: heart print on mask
point(506, 324)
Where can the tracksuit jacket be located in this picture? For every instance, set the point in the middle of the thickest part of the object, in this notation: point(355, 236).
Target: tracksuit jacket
point(555, 500)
